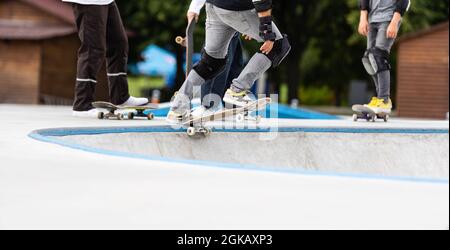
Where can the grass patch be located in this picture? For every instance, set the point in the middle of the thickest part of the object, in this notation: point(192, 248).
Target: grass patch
point(316, 96)
point(137, 84)
point(310, 96)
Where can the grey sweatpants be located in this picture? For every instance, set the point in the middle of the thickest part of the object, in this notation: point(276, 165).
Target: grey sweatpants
point(378, 38)
point(221, 25)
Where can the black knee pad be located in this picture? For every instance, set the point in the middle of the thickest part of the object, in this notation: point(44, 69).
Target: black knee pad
point(280, 51)
point(367, 65)
point(379, 59)
point(209, 67)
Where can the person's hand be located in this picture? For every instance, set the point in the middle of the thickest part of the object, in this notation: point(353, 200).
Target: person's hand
point(267, 47)
point(247, 37)
point(192, 16)
point(392, 30)
point(363, 28)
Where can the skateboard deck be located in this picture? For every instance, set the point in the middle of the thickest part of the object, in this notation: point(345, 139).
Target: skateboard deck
point(188, 42)
point(137, 111)
point(195, 126)
point(365, 113)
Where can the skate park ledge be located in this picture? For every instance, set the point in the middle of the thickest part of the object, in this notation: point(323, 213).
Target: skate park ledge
point(311, 155)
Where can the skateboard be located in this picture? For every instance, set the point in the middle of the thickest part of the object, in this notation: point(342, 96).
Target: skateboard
point(196, 126)
point(365, 113)
point(188, 42)
point(133, 111)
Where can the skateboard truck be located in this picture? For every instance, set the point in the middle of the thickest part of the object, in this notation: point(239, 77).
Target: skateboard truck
point(370, 118)
point(112, 114)
point(197, 127)
point(365, 113)
point(194, 130)
point(125, 116)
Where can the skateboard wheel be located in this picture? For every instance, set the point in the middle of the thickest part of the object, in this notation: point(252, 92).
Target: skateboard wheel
point(240, 118)
point(121, 117)
point(207, 131)
point(191, 131)
point(373, 119)
point(386, 118)
point(150, 116)
point(101, 115)
point(355, 117)
point(130, 116)
point(179, 40)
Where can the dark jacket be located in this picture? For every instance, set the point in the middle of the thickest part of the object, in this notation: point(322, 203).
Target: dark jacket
point(401, 6)
point(383, 10)
point(236, 5)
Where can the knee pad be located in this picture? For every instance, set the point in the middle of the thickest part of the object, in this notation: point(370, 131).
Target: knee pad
point(262, 5)
point(209, 67)
point(367, 65)
point(280, 51)
point(379, 59)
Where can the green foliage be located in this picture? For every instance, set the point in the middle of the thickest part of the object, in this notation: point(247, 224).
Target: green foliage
point(310, 96)
point(424, 13)
point(315, 96)
point(137, 84)
point(157, 21)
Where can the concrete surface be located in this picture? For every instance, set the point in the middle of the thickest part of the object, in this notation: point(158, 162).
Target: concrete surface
point(47, 186)
point(405, 155)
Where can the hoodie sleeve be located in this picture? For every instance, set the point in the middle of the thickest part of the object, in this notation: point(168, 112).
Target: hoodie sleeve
point(402, 6)
point(196, 6)
point(364, 5)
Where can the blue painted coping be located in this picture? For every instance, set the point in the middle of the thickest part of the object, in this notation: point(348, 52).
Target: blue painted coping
point(284, 112)
point(51, 136)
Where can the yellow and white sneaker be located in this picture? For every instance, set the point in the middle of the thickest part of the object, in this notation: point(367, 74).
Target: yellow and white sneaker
point(379, 106)
point(239, 99)
point(372, 102)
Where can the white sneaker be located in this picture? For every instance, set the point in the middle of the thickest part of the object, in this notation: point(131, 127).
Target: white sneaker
point(174, 117)
point(134, 102)
point(93, 113)
point(238, 99)
point(202, 111)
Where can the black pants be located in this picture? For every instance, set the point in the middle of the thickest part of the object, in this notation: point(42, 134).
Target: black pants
point(234, 67)
point(102, 35)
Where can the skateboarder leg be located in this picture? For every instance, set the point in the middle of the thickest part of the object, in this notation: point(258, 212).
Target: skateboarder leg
point(213, 90)
point(224, 19)
point(102, 36)
point(380, 22)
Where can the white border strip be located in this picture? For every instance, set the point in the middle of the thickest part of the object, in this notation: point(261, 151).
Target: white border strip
point(117, 74)
point(86, 80)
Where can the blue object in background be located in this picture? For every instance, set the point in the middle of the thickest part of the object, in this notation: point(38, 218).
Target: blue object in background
point(284, 112)
point(157, 62)
point(160, 63)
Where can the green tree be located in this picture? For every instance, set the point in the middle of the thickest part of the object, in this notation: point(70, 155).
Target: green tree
point(157, 22)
